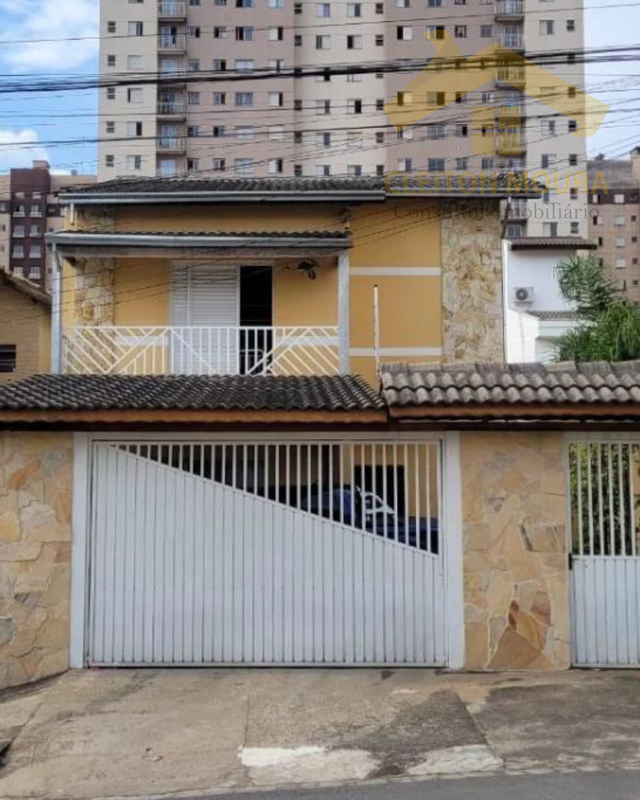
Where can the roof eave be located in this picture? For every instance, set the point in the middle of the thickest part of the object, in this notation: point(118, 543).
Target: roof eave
point(124, 198)
point(516, 411)
point(163, 240)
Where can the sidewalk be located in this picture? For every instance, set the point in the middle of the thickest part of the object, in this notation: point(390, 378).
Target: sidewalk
point(130, 733)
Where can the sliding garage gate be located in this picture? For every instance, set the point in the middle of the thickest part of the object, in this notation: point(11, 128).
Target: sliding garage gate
point(237, 552)
point(604, 490)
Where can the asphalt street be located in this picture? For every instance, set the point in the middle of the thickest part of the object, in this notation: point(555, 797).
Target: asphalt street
point(618, 785)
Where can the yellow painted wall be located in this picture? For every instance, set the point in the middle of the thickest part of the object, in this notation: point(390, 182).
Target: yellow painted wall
point(142, 292)
point(297, 300)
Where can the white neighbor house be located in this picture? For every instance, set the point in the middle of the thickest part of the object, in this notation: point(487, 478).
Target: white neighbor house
point(535, 312)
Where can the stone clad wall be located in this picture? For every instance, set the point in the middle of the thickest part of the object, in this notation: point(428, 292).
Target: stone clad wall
point(516, 590)
point(94, 292)
point(35, 544)
point(472, 310)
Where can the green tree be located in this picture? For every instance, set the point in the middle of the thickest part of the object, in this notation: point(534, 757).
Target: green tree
point(608, 326)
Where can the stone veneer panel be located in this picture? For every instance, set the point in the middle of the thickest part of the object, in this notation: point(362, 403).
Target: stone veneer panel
point(35, 543)
point(516, 590)
point(472, 282)
point(94, 292)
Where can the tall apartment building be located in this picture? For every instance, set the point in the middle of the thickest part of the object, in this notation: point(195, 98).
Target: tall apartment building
point(29, 208)
point(614, 219)
point(259, 119)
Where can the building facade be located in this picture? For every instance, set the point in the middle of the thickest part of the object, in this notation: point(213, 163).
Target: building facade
point(614, 214)
point(273, 87)
point(29, 209)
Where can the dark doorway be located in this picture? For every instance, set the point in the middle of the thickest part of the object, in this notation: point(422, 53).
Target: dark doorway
point(256, 317)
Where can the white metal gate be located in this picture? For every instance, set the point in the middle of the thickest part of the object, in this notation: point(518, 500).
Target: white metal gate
point(604, 488)
point(314, 552)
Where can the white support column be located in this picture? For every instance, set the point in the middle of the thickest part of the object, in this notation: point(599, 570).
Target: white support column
point(56, 312)
point(343, 311)
point(453, 551)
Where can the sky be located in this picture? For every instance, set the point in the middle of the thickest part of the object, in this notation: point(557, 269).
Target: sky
point(32, 125)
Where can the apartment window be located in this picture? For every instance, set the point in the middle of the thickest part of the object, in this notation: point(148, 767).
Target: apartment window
point(354, 42)
point(462, 164)
point(244, 64)
point(297, 137)
point(574, 228)
point(379, 40)
point(435, 31)
point(8, 357)
point(193, 31)
point(405, 164)
point(111, 92)
point(297, 105)
point(244, 33)
point(354, 106)
point(193, 98)
point(276, 166)
point(110, 127)
point(276, 34)
point(323, 170)
point(245, 3)
point(550, 228)
point(193, 65)
point(403, 3)
point(571, 25)
point(111, 27)
point(323, 42)
point(436, 164)
point(244, 98)
point(322, 106)
point(380, 170)
point(276, 4)
point(219, 164)
point(297, 170)
point(219, 98)
point(34, 231)
point(621, 263)
point(404, 135)
point(323, 139)
point(111, 61)
point(134, 129)
point(354, 76)
point(219, 131)
point(191, 2)
point(18, 251)
point(243, 166)
point(404, 98)
point(573, 126)
point(19, 211)
point(136, 29)
point(380, 104)
point(297, 40)
point(435, 99)
point(134, 96)
point(462, 130)
point(354, 170)
point(460, 31)
point(548, 127)
point(547, 160)
point(354, 9)
point(220, 65)
point(460, 98)
point(571, 91)
point(19, 231)
point(245, 133)
point(618, 198)
point(193, 131)
point(620, 241)
point(134, 62)
point(404, 33)
point(276, 64)
point(434, 3)
point(134, 163)
point(276, 99)
point(435, 131)
point(220, 32)
point(486, 31)
point(35, 211)
point(573, 194)
point(487, 164)
point(379, 137)
point(379, 8)
point(573, 159)
point(545, 27)
point(219, 2)
point(276, 133)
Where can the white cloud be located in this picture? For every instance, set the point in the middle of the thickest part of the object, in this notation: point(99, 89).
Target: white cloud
point(48, 19)
point(19, 149)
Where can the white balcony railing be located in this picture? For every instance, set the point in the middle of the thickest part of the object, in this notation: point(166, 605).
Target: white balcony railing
point(109, 350)
point(172, 107)
point(513, 40)
point(509, 8)
point(172, 8)
point(172, 41)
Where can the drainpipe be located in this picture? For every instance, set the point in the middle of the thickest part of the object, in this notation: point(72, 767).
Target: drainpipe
point(56, 312)
point(376, 330)
point(343, 312)
point(504, 283)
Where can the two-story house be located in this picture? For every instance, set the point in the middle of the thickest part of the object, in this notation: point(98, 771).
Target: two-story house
point(226, 467)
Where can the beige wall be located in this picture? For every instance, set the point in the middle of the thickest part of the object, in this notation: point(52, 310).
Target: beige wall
point(515, 565)
point(25, 323)
point(35, 542)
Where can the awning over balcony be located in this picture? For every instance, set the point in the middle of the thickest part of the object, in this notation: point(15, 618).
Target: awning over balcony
point(289, 243)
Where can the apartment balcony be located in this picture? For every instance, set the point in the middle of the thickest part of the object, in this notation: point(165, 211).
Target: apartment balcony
point(514, 41)
point(510, 111)
point(238, 350)
point(511, 76)
point(172, 9)
point(172, 43)
point(511, 144)
point(171, 144)
point(517, 210)
point(172, 109)
point(509, 10)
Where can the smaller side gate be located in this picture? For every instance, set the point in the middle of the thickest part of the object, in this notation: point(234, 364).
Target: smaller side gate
point(604, 517)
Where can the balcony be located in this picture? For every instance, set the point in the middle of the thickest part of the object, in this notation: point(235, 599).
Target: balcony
point(511, 143)
point(509, 9)
point(172, 43)
point(109, 350)
point(514, 41)
point(171, 144)
point(172, 9)
point(172, 108)
point(510, 111)
point(511, 75)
